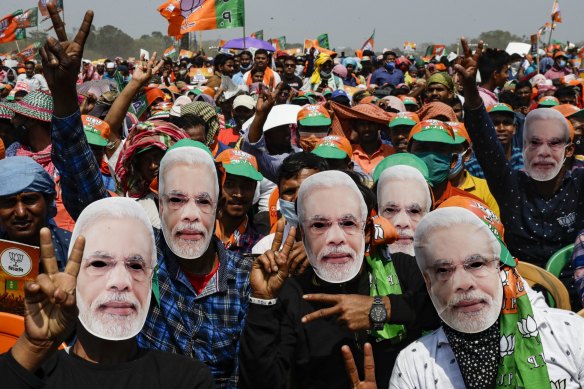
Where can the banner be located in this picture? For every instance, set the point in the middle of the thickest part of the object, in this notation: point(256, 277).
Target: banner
point(409, 46)
point(19, 263)
point(323, 41)
point(43, 6)
point(29, 52)
point(369, 43)
point(9, 30)
point(29, 18)
point(197, 15)
point(435, 50)
point(258, 35)
point(556, 15)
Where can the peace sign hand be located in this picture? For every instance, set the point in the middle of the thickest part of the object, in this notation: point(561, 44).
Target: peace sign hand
point(50, 309)
point(143, 74)
point(467, 70)
point(353, 373)
point(271, 269)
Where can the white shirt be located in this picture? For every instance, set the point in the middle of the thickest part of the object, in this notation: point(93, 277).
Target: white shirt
point(36, 82)
point(430, 363)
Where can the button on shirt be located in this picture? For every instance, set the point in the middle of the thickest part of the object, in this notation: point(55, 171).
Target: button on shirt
point(535, 227)
point(430, 362)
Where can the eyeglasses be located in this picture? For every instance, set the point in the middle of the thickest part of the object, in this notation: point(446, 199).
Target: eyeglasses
point(555, 144)
point(102, 266)
point(478, 268)
point(321, 226)
point(178, 201)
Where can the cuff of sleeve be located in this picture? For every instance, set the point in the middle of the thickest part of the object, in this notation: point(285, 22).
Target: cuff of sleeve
point(19, 372)
point(70, 117)
point(400, 310)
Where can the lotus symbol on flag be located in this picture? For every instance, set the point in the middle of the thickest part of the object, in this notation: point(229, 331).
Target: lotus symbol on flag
point(187, 7)
point(528, 327)
point(507, 345)
point(504, 277)
point(559, 384)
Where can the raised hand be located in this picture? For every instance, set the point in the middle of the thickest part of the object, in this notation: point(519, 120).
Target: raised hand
point(62, 60)
point(271, 269)
point(142, 74)
point(467, 71)
point(353, 373)
point(267, 99)
point(50, 309)
point(351, 310)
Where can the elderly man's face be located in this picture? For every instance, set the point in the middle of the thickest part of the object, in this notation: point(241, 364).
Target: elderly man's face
point(545, 149)
point(403, 203)
point(333, 233)
point(114, 282)
point(187, 209)
point(23, 215)
point(467, 300)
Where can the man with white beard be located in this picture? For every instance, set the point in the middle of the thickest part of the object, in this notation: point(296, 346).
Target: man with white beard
point(106, 287)
point(542, 208)
point(492, 336)
point(403, 198)
point(296, 326)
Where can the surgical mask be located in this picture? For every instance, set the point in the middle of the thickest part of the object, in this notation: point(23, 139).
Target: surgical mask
point(325, 74)
point(438, 166)
point(562, 64)
point(288, 210)
point(246, 68)
point(182, 72)
point(458, 168)
point(390, 66)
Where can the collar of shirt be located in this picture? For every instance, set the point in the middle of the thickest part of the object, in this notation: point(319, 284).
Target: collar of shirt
point(382, 150)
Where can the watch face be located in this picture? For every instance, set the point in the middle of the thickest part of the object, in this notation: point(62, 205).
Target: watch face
point(378, 313)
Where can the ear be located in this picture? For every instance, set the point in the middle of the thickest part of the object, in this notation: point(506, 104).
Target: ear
point(570, 150)
point(466, 155)
point(454, 160)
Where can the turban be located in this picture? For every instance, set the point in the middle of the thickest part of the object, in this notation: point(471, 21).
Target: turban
point(442, 78)
point(320, 60)
point(436, 108)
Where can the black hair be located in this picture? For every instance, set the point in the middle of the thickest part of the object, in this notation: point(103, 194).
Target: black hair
point(189, 120)
point(20, 93)
point(509, 98)
point(294, 163)
point(388, 53)
point(455, 100)
point(255, 70)
point(221, 59)
point(30, 63)
point(368, 195)
point(565, 91)
point(246, 52)
point(492, 61)
point(523, 84)
point(262, 51)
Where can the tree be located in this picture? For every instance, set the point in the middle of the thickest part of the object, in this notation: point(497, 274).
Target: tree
point(499, 38)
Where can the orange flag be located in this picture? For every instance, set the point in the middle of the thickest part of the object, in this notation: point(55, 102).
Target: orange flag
point(9, 30)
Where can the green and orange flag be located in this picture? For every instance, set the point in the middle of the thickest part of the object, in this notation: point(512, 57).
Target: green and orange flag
point(9, 30)
point(30, 52)
point(29, 18)
point(258, 35)
point(196, 15)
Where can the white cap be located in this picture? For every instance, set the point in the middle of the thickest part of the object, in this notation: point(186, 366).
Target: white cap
point(281, 115)
point(110, 65)
point(179, 102)
point(244, 101)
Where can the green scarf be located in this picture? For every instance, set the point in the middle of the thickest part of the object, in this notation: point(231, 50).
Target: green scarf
point(384, 282)
point(521, 364)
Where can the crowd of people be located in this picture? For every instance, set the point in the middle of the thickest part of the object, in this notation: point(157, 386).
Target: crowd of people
point(289, 218)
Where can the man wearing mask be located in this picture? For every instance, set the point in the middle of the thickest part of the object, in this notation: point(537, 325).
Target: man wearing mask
point(322, 77)
point(110, 71)
point(491, 335)
point(245, 64)
point(560, 67)
point(243, 109)
point(105, 302)
point(545, 192)
point(388, 73)
point(333, 303)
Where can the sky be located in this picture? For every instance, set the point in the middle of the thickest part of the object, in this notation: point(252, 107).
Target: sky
point(348, 23)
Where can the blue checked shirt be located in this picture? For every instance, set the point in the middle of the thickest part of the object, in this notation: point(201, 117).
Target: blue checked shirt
point(206, 327)
point(474, 168)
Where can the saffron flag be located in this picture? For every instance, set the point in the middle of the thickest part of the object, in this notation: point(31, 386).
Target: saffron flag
point(276, 44)
point(323, 41)
point(369, 43)
point(9, 30)
point(435, 51)
point(310, 43)
point(170, 52)
point(43, 6)
point(556, 15)
point(409, 46)
point(197, 15)
point(29, 52)
point(29, 18)
point(258, 35)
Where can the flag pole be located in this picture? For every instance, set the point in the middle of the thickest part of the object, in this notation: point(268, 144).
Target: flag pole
point(551, 32)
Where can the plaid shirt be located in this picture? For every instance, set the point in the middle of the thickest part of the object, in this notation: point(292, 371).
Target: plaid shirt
point(206, 327)
point(474, 168)
point(80, 177)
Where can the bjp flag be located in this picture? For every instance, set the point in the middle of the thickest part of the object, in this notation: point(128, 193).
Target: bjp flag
point(196, 15)
point(9, 30)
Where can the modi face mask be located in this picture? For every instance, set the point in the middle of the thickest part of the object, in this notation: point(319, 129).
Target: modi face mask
point(332, 215)
point(114, 285)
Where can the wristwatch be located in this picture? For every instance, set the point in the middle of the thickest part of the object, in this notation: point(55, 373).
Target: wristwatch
point(378, 313)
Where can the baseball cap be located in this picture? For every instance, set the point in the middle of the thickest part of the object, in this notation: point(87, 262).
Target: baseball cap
point(244, 101)
point(314, 115)
point(110, 65)
point(334, 147)
point(404, 119)
point(401, 159)
point(96, 130)
point(408, 100)
point(433, 131)
point(240, 163)
point(548, 101)
point(281, 115)
point(190, 143)
point(567, 110)
point(501, 107)
point(339, 93)
point(460, 133)
point(487, 216)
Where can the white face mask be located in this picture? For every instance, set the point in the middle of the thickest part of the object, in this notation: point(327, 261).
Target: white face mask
point(542, 177)
point(332, 273)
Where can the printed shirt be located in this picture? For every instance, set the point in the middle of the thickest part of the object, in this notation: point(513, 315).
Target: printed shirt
point(430, 363)
point(535, 226)
point(474, 168)
point(204, 326)
point(368, 162)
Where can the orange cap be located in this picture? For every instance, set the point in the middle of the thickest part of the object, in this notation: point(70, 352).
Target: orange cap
point(432, 131)
point(478, 208)
point(460, 130)
point(96, 130)
point(313, 115)
point(333, 146)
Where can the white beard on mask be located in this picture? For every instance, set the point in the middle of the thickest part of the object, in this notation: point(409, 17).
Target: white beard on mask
point(336, 273)
point(543, 176)
point(183, 248)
